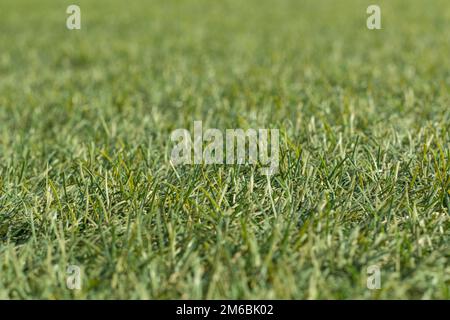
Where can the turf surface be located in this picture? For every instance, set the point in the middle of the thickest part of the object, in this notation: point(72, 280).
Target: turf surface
point(85, 122)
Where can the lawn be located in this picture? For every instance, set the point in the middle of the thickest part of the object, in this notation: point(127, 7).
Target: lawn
point(364, 170)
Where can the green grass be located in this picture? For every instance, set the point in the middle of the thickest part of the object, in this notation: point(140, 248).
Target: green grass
point(85, 122)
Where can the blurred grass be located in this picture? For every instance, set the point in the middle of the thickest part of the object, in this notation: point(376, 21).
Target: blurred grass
point(84, 143)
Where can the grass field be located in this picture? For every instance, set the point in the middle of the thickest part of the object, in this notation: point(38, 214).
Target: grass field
point(364, 172)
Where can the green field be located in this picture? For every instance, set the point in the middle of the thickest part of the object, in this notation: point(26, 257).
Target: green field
point(364, 172)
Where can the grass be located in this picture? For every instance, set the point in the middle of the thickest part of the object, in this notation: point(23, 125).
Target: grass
point(364, 176)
